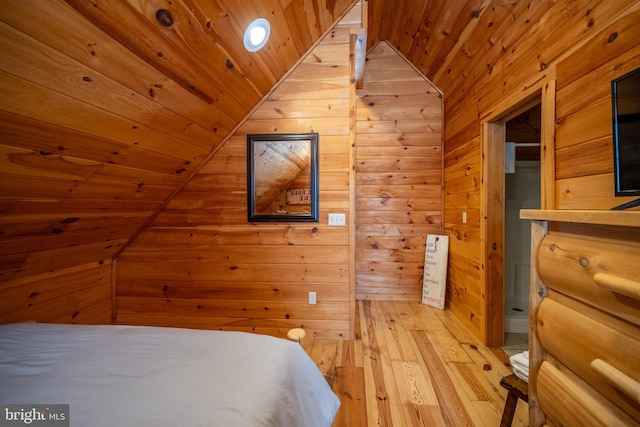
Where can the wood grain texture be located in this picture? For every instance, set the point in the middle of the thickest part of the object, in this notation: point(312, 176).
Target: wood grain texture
point(584, 336)
point(561, 327)
point(570, 263)
point(105, 114)
point(484, 53)
point(106, 111)
point(78, 294)
point(567, 400)
point(413, 365)
point(398, 176)
point(200, 264)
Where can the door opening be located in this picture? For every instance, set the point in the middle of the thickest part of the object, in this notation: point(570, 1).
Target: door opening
point(522, 191)
point(540, 95)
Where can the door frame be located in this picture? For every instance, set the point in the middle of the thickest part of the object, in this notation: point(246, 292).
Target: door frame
point(492, 142)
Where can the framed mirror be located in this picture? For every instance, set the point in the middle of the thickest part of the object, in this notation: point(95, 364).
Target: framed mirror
point(282, 177)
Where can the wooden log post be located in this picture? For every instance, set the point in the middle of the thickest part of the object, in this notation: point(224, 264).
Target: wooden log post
point(537, 292)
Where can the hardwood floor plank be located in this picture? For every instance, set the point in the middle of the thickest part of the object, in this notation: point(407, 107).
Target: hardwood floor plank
point(349, 387)
point(383, 323)
point(324, 353)
point(374, 363)
point(448, 347)
point(399, 343)
point(456, 328)
point(412, 385)
point(493, 370)
point(486, 414)
point(346, 356)
point(398, 415)
point(410, 321)
point(453, 410)
point(425, 416)
point(413, 365)
point(476, 389)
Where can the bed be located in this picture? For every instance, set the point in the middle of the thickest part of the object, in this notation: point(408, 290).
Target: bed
point(151, 376)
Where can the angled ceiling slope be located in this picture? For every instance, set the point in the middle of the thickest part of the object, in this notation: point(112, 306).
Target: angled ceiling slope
point(107, 107)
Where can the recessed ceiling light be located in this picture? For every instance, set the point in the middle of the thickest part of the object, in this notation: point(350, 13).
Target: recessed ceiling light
point(256, 35)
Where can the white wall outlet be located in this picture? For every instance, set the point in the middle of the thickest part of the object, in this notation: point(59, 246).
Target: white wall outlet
point(464, 217)
point(312, 297)
point(338, 219)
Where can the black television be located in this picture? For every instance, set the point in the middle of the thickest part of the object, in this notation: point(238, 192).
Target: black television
point(625, 96)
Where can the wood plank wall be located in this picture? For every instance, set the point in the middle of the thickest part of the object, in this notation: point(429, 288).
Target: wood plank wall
point(398, 176)
point(78, 294)
point(480, 62)
point(105, 111)
point(200, 264)
point(584, 155)
point(82, 163)
point(579, 49)
point(80, 172)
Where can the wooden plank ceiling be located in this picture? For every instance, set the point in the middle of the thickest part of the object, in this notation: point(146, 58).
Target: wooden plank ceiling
point(107, 107)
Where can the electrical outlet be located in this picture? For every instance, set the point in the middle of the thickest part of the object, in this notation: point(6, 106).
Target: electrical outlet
point(312, 297)
point(338, 219)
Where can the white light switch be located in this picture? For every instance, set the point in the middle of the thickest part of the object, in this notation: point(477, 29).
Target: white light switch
point(337, 219)
point(464, 217)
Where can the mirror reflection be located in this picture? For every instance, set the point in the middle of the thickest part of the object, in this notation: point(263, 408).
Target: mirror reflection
point(282, 177)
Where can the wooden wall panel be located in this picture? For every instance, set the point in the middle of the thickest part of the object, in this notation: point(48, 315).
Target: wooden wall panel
point(584, 154)
point(85, 159)
point(480, 65)
point(200, 264)
point(106, 111)
point(79, 294)
point(398, 176)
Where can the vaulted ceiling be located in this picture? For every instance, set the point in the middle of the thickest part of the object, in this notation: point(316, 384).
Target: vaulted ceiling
point(108, 106)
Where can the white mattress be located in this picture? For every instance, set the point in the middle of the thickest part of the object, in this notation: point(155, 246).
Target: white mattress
point(147, 376)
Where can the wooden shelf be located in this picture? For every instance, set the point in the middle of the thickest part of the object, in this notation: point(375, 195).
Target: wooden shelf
point(619, 218)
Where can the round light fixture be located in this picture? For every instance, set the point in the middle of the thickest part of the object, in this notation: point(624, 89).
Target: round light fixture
point(256, 35)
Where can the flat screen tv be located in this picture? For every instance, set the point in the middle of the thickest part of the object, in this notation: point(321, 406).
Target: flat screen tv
point(625, 95)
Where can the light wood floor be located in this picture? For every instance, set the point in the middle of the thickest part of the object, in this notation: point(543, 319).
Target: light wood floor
point(413, 365)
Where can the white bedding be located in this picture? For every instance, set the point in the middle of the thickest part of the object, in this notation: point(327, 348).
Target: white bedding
point(147, 376)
